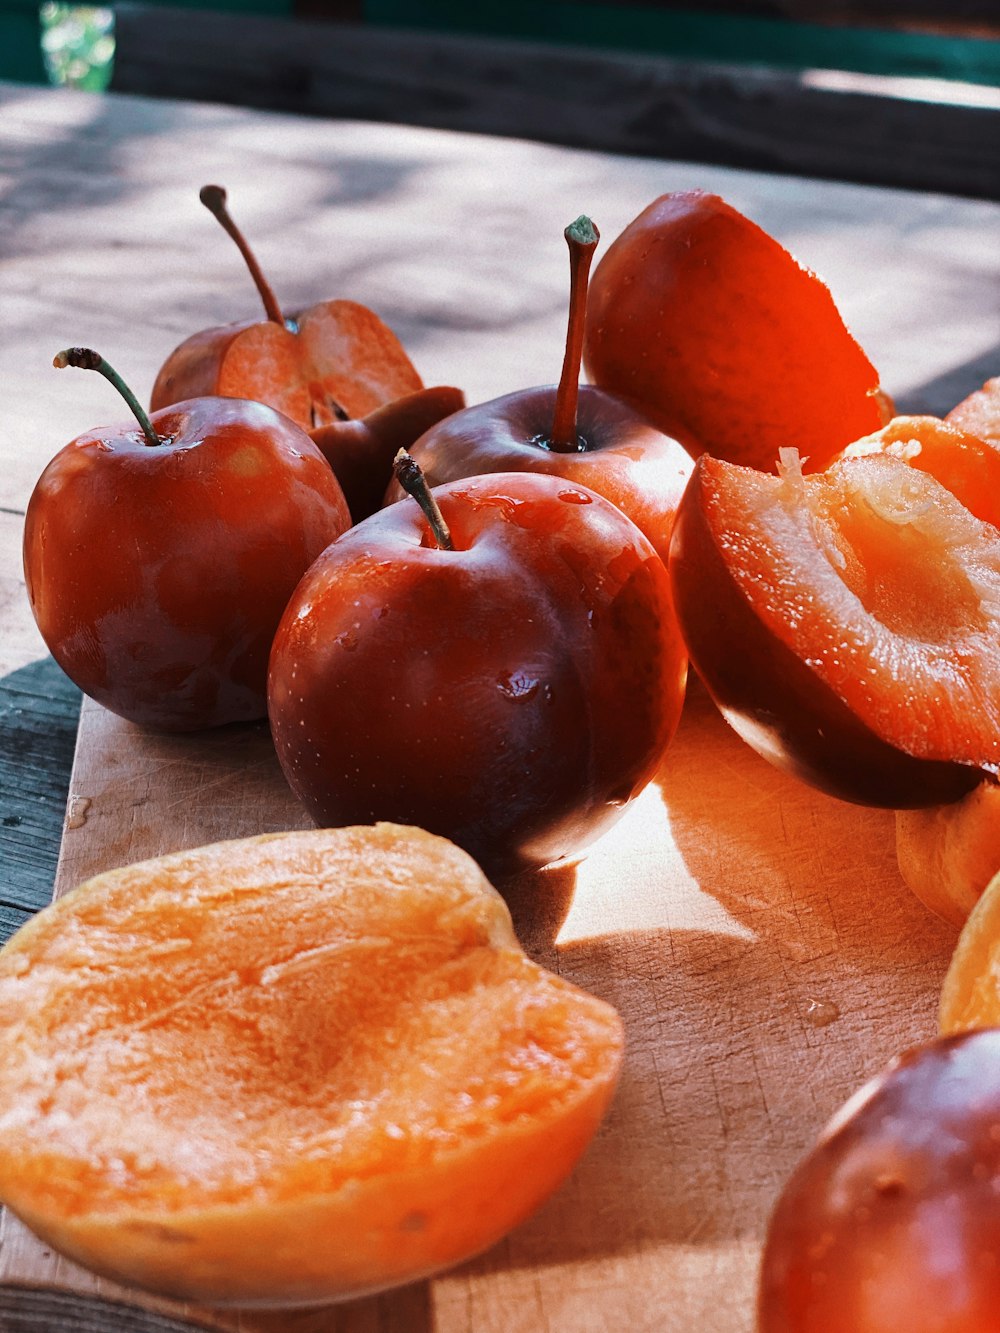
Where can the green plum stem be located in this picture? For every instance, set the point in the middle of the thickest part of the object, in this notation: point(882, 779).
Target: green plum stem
point(410, 476)
point(582, 238)
point(84, 358)
point(214, 199)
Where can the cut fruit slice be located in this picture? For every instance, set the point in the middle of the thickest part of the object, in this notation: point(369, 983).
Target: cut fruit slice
point(970, 996)
point(979, 414)
point(724, 340)
point(332, 361)
point(289, 1069)
point(340, 361)
point(947, 854)
point(964, 464)
point(847, 624)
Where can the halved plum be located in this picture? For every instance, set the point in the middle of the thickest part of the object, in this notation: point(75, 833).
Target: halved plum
point(847, 624)
point(947, 854)
point(980, 412)
point(724, 340)
point(965, 464)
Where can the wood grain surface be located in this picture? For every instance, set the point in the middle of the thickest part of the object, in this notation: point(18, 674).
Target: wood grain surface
point(755, 936)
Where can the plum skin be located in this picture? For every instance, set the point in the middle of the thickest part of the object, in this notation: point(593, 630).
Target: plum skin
point(891, 1222)
point(513, 694)
point(622, 455)
point(157, 576)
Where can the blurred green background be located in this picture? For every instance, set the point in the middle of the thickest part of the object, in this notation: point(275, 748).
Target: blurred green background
point(78, 44)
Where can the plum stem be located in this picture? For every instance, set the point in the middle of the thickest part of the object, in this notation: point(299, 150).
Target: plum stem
point(582, 238)
point(410, 476)
point(84, 358)
point(214, 199)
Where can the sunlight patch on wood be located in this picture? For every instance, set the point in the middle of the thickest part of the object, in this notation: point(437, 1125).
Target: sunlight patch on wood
point(662, 894)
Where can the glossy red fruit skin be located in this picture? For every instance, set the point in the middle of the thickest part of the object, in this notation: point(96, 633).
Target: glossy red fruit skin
point(715, 333)
point(892, 1220)
point(361, 450)
point(513, 694)
point(777, 703)
point(624, 458)
point(157, 576)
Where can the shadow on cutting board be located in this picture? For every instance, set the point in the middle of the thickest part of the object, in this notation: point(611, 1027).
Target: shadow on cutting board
point(790, 964)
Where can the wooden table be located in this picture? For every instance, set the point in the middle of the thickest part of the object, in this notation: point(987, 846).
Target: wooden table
point(756, 936)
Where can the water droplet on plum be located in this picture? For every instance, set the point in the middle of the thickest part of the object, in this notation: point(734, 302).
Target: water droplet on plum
point(518, 686)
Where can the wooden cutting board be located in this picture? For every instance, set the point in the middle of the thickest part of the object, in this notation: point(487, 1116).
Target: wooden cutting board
point(760, 945)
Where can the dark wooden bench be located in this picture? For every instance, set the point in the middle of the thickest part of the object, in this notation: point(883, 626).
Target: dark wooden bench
point(846, 125)
point(958, 40)
point(895, 37)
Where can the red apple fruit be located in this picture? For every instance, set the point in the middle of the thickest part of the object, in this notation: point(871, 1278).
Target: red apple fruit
point(891, 1221)
point(361, 450)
